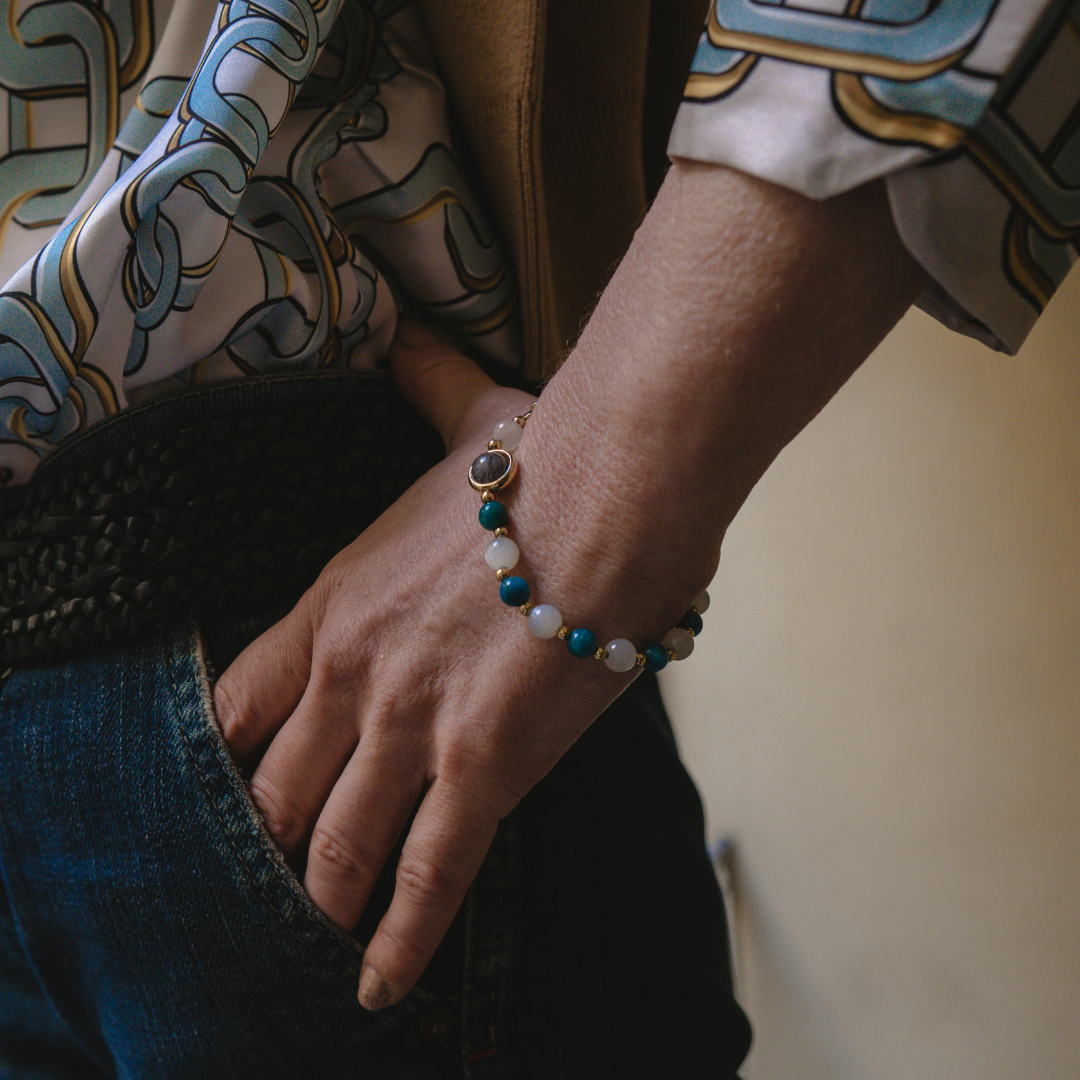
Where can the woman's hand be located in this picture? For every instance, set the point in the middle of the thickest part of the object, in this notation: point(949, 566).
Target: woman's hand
point(738, 311)
point(400, 678)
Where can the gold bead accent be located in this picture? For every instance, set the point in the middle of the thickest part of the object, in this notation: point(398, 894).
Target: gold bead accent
point(502, 575)
point(494, 444)
point(640, 661)
point(564, 633)
point(487, 496)
point(600, 653)
point(525, 608)
point(500, 531)
point(671, 656)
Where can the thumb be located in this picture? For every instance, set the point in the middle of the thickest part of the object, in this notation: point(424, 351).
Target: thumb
point(434, 378)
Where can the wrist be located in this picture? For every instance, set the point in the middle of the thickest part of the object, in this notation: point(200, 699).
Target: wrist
point(493, 475)
point(600, 546)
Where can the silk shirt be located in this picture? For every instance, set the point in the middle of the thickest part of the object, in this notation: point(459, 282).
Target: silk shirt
point(194, 193)
point(969, 108)
point(284, 177)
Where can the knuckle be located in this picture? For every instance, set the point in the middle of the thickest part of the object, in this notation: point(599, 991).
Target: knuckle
point(425, 878)
point(457, 760)
point(402, 956)
point(320, 596)
point(338, 658)
point(235, 720)
point(490, 780)
point(284, 820)
point(469, 762)
point(339, 857)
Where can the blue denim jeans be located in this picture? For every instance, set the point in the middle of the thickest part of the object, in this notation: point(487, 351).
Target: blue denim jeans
point(150, 929)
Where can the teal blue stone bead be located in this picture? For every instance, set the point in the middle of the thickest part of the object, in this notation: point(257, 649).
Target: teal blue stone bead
point(514, 591)
point(493, 515)
point(691, 621)
point(581, 643)
point(656, 657)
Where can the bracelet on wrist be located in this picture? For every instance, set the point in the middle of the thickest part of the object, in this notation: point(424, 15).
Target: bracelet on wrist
point(494, 470)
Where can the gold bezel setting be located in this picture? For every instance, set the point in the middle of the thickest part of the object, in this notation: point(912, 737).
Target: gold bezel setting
point(501, 481)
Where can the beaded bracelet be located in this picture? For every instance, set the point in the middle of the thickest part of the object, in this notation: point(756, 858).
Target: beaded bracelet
point(495, 469)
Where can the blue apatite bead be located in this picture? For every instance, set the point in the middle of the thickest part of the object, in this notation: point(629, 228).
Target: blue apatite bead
point(656, 657)
point(514, 591)
point(691, 621)
point(493, 515)
point(581, 643)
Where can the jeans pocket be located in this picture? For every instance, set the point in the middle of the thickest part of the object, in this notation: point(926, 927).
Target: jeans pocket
point(158, 916)
point(234, 819)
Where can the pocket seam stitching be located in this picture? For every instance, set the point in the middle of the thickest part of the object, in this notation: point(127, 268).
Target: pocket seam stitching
point(333, 936)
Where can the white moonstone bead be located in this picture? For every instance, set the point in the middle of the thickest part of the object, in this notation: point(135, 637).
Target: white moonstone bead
point(502, 553)
point(701, 604)
point(509, 433)
point(621, 654)
point(680, 642)
point(544, 621)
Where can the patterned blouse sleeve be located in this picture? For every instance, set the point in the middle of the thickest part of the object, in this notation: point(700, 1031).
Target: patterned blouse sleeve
point(969, 108)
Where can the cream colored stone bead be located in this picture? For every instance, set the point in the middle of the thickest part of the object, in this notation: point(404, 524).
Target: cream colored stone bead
point(508, 434)
point(502, 554)
point(679, 642)
point(621, 655)
point(544, 621)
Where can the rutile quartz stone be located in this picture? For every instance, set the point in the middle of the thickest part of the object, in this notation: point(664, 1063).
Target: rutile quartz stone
point(490, 467)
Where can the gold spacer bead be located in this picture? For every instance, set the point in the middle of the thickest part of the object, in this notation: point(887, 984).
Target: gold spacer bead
point(494, 444)
point(600, 653)
point(691, 632)
point(564, 633)
point(487, 496)
point(500, 531)
point(525, 608)
point(640, 661)
point(502, 575)
point(671, 656)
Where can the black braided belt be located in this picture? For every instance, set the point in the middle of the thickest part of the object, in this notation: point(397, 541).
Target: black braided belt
point(202, 502)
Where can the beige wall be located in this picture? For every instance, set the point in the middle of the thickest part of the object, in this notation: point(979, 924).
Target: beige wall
point(884, 713)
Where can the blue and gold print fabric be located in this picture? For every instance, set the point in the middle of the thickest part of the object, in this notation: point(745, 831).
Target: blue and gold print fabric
point(192, 192)
point(969, 108)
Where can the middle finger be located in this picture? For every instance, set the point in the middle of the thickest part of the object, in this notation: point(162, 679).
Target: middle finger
point(359, 826)
point(301, 766)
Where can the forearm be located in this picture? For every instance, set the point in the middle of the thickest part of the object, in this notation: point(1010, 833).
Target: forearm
point(401, 679)
point(738, 311)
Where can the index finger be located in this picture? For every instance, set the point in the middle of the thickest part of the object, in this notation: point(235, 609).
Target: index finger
point(442, 855)
point(434, 378)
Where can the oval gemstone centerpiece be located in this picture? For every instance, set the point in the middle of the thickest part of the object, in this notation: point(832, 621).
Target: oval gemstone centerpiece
point(490, 469)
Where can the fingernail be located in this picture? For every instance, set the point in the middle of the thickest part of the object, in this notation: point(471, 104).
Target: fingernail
point(374, 992)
